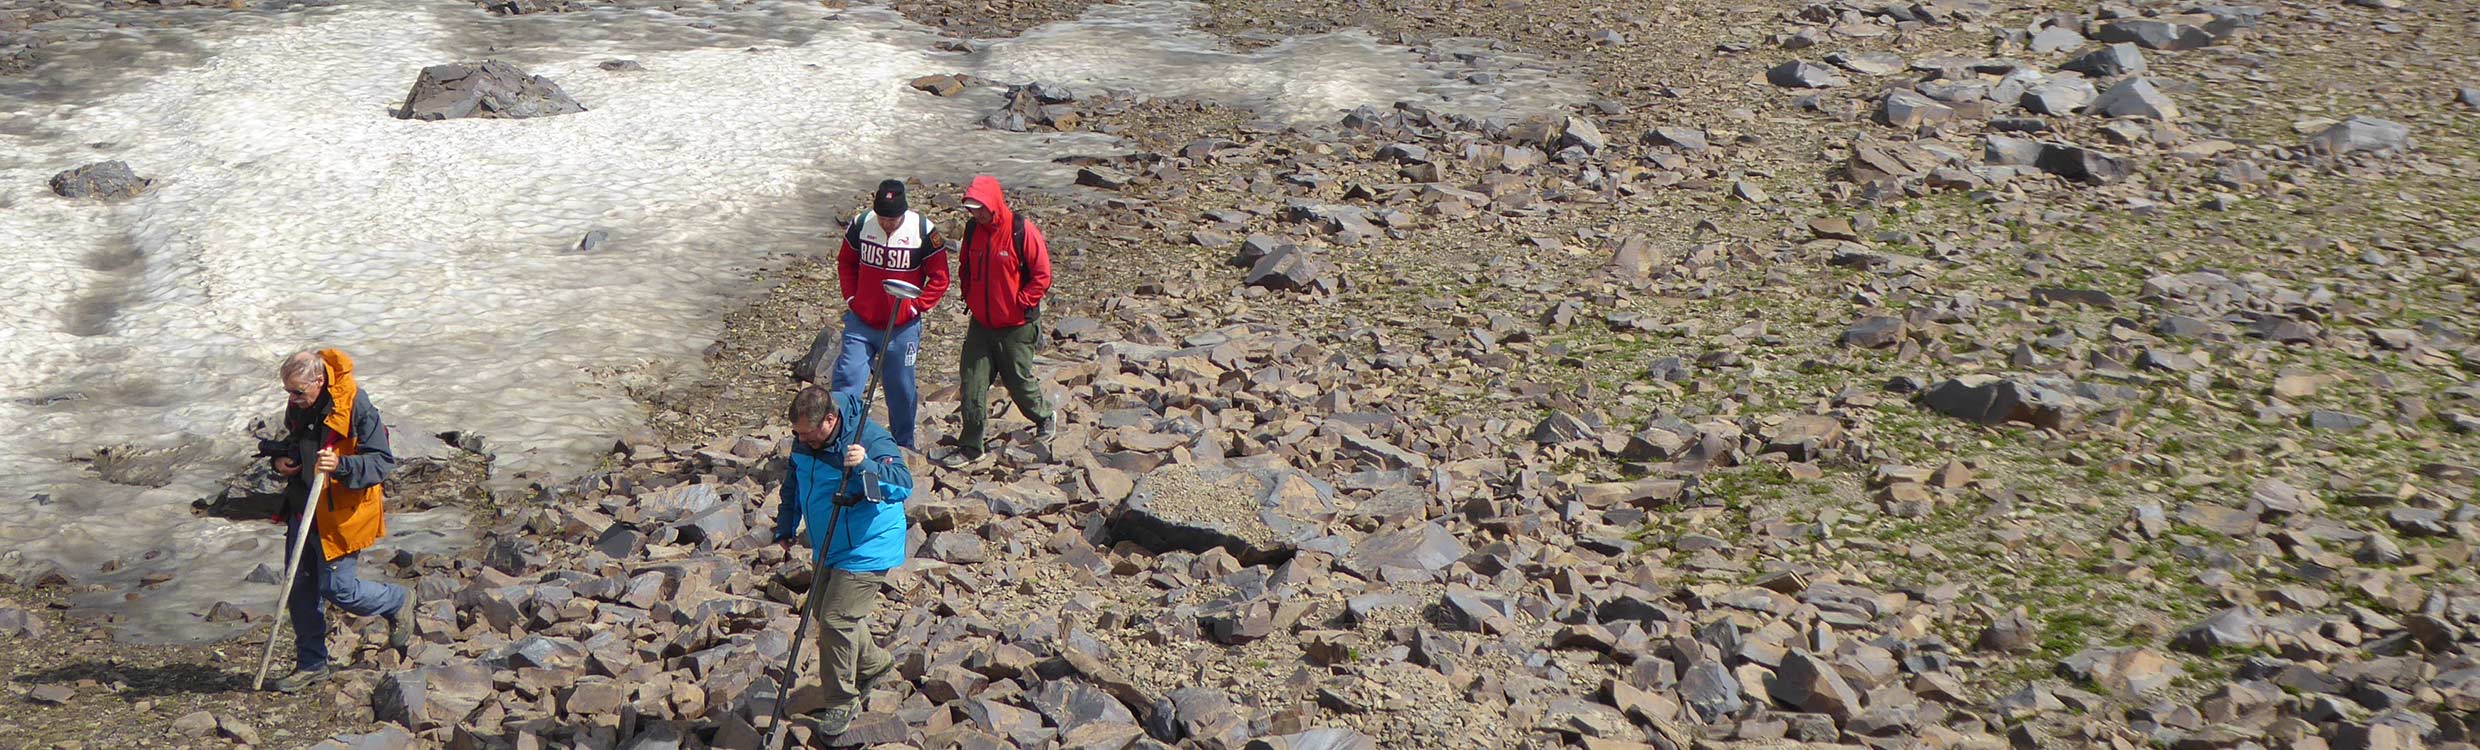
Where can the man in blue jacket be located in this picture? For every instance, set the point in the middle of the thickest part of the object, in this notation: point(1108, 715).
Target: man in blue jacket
point(832, 436)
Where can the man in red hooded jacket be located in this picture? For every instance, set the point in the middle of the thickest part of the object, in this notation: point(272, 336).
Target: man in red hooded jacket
point(1006, 269)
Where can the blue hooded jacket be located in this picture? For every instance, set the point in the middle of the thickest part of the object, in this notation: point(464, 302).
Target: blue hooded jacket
point(869, 538)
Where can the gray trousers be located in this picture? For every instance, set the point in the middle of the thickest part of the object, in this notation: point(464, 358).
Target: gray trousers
point(848, 656)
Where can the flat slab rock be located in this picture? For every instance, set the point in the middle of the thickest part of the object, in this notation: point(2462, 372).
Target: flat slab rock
point(1328, 738)
point(1260, 515)
point(489, 89)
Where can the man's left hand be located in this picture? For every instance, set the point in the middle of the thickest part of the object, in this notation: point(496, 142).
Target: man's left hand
point(854, 455)
point(327, 461)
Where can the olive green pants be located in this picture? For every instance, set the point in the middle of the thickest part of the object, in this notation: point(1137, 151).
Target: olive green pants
point(847, 655)
point(1008, 354)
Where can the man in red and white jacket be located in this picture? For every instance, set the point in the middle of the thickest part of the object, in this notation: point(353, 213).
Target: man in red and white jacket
point(889, 241)
point(1007, 269)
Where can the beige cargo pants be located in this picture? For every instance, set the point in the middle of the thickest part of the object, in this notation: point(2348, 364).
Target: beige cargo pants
point(849, 657)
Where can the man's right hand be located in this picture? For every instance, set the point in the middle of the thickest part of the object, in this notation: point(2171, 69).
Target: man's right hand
point(287, 466)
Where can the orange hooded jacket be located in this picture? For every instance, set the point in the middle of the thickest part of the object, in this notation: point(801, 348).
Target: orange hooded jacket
point(350, 518)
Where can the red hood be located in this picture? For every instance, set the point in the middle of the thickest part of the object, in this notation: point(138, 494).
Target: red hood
point(985, 190)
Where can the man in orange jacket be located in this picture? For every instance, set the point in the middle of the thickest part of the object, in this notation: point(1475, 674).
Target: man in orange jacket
point(332, 428)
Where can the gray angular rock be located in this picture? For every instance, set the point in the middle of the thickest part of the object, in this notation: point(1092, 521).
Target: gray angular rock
point(1038, 104)
point(1561, 427)
point(1685, 139)
point(195, 724)
point(1710, 692)
point(2008, 151)
point(16, 622)
point(2379, 549)
point(1325, 738)
point(515, 556)
point(1875, 332)
point(52, 694)
point(2275, 498)
point(2166, 360)
point(1426, 547)
point(1580, 133)
point(1259, 516)
point(1808, 683)
point(2082, 164)
point(1100, 177)
point(544, 652)
point(2110, 61)
point(2054, 39)
point(2059, 96)
point(2362, 133)
point(1990, 400)
point(1799, 74)
point(1072, 703)
point(105, 181)
point(715, 527)
point(2335, 421)
point(1026, 496)
point(2417, 522)
point(1287, 269)
point(1006, 120)
point(956, 547)
point(937, 514)
point(870, 729)
point(1478, 611)
point(1404, 153)
point(620, 541)
point(388, 737)
point(428, 697)
point(1332, 218)
point(1255, 248)
point(2012, 633)
point(1868, 63)
point(2136, 97)
point(487, 89)
point(1047, 92)
point(2236, 627)
point(1908, 109)
point(2123, 672)
point(676, 503)
point(2156, 34)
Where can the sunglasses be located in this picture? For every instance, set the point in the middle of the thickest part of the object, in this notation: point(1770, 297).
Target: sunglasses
point(303, 391)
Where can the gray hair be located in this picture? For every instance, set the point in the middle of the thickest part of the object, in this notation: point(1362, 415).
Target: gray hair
point(304, 364)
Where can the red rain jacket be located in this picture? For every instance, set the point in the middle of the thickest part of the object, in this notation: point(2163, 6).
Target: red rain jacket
point(1004, 275)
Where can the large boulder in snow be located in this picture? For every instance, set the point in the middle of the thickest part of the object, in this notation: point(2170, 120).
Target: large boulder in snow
point(490, 89)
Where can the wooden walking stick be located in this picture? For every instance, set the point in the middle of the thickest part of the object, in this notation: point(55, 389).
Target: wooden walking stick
point(292, 567)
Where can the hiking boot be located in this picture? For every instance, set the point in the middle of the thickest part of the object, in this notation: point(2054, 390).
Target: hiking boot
point(401, 626)
point(1046, 429)
point(959, 457)
point(304, 679)
point(834, 721)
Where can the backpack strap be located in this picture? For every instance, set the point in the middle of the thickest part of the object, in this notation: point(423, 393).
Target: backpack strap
point(1024, 265)
point(964, 260)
